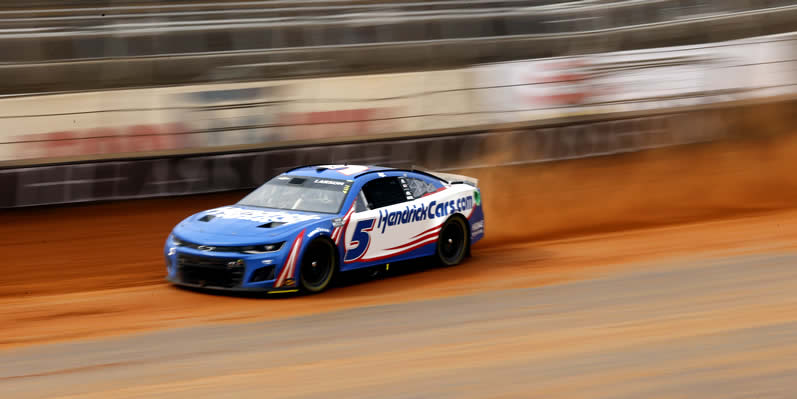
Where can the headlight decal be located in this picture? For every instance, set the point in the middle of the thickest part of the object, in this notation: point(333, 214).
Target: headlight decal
point(248, 249)
point(261, 249)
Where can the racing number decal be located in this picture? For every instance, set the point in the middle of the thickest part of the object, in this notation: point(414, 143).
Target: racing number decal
point(360, 240)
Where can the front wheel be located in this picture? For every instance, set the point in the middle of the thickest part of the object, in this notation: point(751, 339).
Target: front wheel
point(319, 264)
point(453, 242)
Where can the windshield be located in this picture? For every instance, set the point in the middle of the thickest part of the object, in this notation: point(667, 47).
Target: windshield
point(300, 193)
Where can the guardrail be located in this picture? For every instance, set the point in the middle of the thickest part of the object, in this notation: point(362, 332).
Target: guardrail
point(248, 9)
point(554, 19)
point(166, 33)
point(633, 11)
point(78, 7)
point(288, 58)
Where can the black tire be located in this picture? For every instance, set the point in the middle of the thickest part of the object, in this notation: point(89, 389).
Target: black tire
point(318, 266)
point(454, 241)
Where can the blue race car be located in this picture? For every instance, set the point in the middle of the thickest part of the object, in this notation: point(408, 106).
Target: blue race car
point(296, 231)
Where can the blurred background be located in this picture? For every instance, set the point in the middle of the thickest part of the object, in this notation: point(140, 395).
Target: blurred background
point(112, 80)
point(637, 161)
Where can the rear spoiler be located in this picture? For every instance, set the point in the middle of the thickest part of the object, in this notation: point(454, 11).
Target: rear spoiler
point(451, 178)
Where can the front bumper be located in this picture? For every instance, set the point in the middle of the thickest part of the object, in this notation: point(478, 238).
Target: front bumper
point(267, 290)
point(225, 271)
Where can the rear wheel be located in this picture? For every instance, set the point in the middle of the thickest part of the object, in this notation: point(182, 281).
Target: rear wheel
point(318, 266)
point(453, 242)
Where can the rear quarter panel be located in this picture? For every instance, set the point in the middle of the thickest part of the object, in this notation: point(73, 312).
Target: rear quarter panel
point(410, 229)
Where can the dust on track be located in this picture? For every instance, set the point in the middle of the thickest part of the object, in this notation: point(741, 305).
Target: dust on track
point(94, 270)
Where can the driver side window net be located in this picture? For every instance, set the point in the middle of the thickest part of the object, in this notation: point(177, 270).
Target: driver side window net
point(384, 192)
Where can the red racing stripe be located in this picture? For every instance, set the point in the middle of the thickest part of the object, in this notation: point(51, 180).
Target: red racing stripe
point(286, 268)
point(295, 256)
point(426, 237)
point(427, 231)
point(342, 230)
point(416, 246)
point(434, 192)
point(286, 271)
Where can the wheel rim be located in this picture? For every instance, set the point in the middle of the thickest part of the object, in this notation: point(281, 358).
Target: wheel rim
point(316, 265)
point(452, 241)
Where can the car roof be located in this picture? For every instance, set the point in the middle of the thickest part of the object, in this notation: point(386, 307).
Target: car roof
point(341, 172)
point(349, 172)
point(352, 172)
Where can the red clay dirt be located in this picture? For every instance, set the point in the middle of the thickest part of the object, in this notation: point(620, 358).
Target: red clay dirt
point(96, 270)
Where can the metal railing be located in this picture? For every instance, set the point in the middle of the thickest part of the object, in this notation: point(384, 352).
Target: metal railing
point(155, 52)
point(158, 33)
point(56, 8)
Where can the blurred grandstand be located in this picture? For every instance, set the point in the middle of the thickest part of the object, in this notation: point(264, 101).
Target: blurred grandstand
point(91, 44)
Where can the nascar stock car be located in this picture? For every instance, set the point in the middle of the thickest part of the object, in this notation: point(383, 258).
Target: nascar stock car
point(298, 230)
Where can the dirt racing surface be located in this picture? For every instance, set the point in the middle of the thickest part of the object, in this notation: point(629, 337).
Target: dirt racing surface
point(710, 328)
point(615, 276)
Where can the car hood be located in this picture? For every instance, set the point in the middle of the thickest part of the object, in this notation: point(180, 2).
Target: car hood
point(244, 225)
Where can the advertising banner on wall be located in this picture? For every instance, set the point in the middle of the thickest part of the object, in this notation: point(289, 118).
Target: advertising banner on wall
point(84, 124)
point(199, 117)
point(222, 116)
point(206, 116)
point(137, 120)
point(636, 80)
point(193, 174)
point(358, 106)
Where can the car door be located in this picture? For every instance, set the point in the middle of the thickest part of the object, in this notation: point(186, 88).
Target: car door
point(364, 242)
